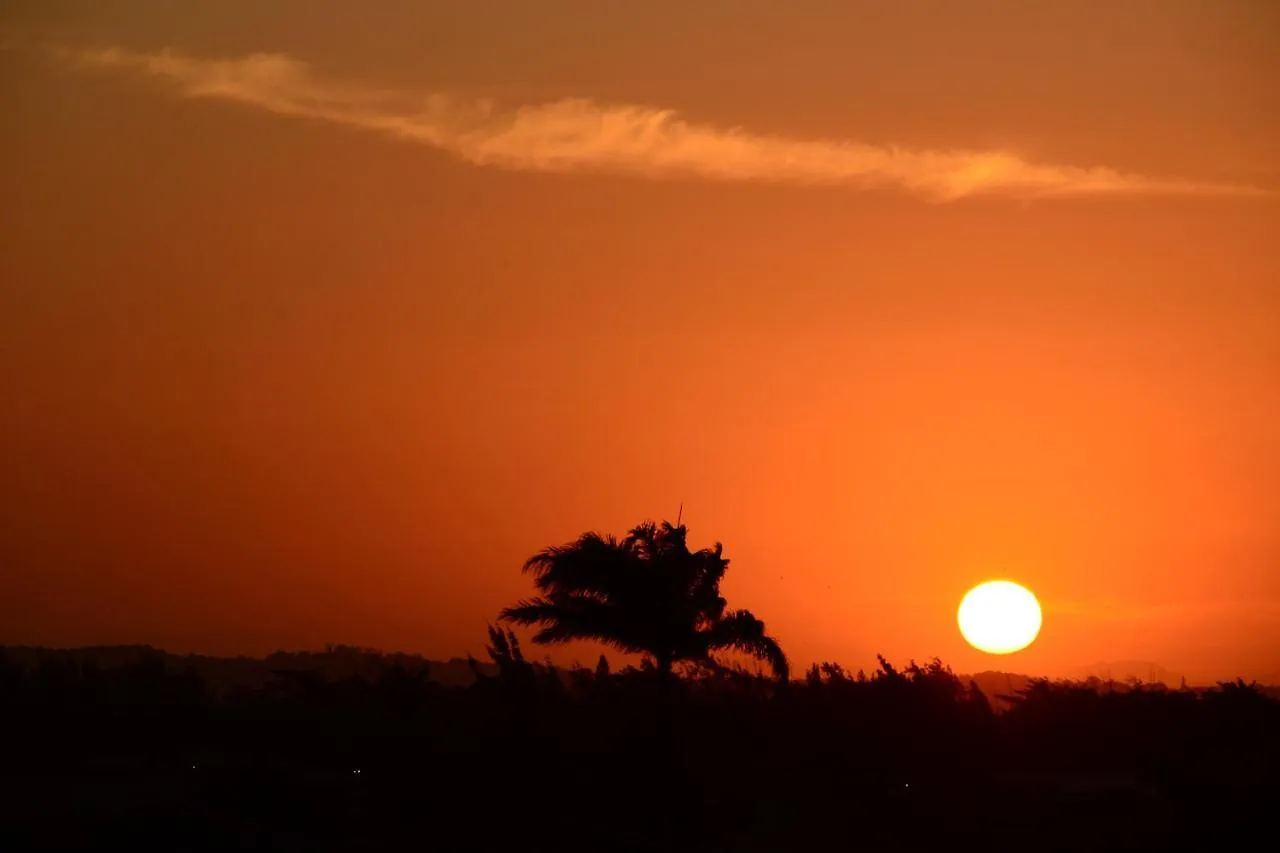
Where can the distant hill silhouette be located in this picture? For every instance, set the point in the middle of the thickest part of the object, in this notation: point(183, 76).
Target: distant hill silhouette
point(223, 674)
point(337, 662)
point(1128, 670)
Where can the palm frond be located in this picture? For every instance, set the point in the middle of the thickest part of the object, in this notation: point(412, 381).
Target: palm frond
point(593, 564)
point(529, 611)
point(706, 569)
point(741, 631)
point(565, 618)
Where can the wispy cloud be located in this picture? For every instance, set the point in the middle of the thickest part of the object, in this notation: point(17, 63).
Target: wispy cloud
point(576, 135)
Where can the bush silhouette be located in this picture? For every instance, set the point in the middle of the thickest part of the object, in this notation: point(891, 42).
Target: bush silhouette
point(363, 750)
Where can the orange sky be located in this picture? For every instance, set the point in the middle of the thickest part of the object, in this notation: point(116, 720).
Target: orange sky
point(312, 346)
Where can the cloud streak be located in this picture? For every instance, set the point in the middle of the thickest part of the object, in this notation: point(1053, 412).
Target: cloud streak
point(577, 135)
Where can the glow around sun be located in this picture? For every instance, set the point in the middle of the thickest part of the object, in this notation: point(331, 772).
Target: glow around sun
point(999, 617)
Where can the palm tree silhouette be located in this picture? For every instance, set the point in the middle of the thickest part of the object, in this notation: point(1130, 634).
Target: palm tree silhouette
point(645, 594)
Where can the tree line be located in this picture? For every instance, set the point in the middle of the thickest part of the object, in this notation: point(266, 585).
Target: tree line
point(684, 751)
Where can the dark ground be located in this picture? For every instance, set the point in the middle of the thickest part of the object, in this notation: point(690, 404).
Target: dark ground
point(145, 756)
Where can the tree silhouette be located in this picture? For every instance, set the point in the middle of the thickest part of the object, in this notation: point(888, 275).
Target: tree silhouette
point(644, 594)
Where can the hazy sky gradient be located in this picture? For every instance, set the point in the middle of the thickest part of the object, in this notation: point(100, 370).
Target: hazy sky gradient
point(275, 382)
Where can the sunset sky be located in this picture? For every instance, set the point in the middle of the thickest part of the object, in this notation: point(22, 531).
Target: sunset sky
point(317, 318)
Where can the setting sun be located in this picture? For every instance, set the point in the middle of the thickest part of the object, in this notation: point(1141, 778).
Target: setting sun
point(999, 617)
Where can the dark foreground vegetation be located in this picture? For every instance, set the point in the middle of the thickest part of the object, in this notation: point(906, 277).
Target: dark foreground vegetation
point(154, 752)
point(149, 754)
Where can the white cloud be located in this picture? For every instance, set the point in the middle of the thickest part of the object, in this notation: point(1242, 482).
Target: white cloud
point(575, 135)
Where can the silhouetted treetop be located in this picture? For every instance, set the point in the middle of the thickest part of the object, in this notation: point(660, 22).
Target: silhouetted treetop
point(644, 594)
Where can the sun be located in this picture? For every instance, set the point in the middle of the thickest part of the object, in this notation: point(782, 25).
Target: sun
point(999, 617)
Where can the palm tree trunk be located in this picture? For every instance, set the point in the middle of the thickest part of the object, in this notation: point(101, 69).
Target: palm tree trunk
point(670, 751)
point(666, 695)
point(664, 668)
